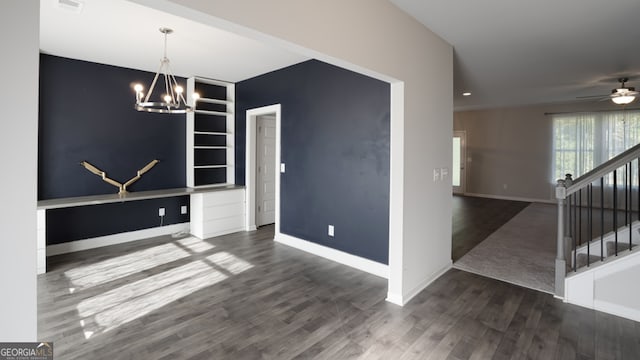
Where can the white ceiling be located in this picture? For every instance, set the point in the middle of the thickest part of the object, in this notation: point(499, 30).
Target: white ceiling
point(514, 52)
point(122, 33)
point(506, 52)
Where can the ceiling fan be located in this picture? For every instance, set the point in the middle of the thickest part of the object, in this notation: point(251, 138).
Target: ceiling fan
point(622, 95)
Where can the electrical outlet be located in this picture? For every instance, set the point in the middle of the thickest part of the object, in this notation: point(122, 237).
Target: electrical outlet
point(282, 168)
point(161, 212)
point(183, 209)
point(331, 230)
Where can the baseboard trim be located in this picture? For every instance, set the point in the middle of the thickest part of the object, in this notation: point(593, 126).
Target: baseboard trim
point(403, 299)
point(615, 309)
point(395, 299)
point(221, 232)
point(114, 239)
point(511, 198)
point(357, 262)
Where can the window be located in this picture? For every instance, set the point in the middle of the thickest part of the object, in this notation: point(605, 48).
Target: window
point(583, 141)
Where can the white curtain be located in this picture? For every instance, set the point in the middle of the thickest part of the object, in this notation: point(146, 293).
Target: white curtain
point(583, 141)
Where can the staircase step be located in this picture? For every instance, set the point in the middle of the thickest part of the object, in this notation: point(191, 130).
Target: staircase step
point(611, 247)
point(581, 260)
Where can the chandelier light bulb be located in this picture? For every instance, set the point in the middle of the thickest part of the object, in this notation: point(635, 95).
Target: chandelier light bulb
point(138, 87)
point(167, 98)
point(195, 96)
point(179, 89)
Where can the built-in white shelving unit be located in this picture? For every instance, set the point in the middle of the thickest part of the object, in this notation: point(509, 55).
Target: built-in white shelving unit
point(210, 133)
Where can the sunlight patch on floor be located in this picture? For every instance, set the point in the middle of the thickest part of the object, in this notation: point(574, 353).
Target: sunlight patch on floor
point(86, 276)
point(114, 308)
point(229, 262)
point(119, 306)
point(194, 244)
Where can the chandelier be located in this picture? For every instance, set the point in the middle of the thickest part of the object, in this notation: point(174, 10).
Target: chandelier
point(172, 101)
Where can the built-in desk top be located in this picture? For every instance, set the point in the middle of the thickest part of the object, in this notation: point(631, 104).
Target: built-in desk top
point(130, 196)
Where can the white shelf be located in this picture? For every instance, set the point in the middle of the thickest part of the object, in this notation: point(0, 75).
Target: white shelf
point(215, 101)
point(211, 166)
point(208, 112)
point(211, 133)
point(211, 147)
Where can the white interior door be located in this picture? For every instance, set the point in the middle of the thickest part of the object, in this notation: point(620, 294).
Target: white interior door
point(265, 170)
point(459, 160)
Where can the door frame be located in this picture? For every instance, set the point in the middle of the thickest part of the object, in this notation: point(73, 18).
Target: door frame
point(250, 165)
point(462, 134)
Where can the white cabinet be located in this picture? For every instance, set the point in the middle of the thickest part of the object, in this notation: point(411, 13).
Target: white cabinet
point(217, 213)
point(210, 133)
point(41, 246)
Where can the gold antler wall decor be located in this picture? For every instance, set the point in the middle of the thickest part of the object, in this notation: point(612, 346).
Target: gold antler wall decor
point(121, 187)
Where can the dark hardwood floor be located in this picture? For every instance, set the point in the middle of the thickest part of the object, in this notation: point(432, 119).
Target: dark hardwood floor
point(475, 218)
point(242, 296)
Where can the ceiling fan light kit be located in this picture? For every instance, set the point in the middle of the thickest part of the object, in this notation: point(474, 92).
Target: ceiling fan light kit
point(623, 100)
point(172, 101)
point(623, 95)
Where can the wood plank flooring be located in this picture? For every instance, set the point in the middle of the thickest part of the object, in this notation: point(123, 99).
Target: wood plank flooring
point(474, 219)
point(242, 296)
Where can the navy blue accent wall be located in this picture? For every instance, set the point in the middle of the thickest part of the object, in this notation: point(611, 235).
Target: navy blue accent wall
point(335, 144)
point(77, 223)
point(86, 113)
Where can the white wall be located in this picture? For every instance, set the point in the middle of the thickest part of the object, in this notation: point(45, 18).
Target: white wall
point(376, 38)
point(513, 146)
point(19, 41)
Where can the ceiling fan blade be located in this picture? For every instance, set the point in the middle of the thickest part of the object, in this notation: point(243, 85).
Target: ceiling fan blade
point(592, 96)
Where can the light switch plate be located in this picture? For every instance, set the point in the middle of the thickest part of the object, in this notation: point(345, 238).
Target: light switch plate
point(282, 168)
point(444, 172)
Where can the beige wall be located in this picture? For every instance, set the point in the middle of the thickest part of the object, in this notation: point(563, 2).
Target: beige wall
point(374, 37)
point(19, 40)
point(509, 150)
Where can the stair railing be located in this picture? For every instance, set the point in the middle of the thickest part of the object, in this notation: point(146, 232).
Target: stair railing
point(606, 192)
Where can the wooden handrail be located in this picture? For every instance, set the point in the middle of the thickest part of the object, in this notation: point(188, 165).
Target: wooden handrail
point(603, 169)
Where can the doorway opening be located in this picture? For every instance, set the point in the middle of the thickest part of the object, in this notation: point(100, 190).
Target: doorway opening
point(459, 162)
point(262, 167)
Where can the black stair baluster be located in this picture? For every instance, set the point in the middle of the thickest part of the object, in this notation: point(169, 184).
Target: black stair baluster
point(626, 203)
point(615, 210)
point(629, 186)
point(576, 218)
point(570, 224)
point(579, 209)
point(590, 223)
point(575, 232)
point(602, 218)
